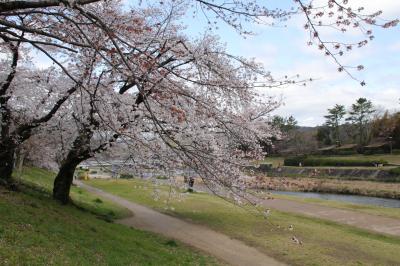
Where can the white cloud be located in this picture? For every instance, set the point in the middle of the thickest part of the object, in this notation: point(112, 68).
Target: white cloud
point(309, 104)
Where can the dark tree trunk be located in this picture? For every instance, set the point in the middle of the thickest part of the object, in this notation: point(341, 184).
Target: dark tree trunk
point(191, 184)
point(79, 152)
point(63, 181)
point(7, 145)
point(6, 164)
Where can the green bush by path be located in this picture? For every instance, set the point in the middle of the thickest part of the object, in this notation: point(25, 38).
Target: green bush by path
point(126, 176)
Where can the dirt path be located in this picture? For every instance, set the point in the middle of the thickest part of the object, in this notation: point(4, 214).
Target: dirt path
point(231, 251)
point(371, 222)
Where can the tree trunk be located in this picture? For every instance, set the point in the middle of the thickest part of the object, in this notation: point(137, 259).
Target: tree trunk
point(6, 164)
point(21, 158)
point(79, 152)
point(191, 184)
point(63, 181)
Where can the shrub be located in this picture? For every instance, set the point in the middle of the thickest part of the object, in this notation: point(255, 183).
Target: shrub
point(395, 171)
point(162, 177)
point(171, 243)
point(294, 161)
point(97, 200)
point(126, 176)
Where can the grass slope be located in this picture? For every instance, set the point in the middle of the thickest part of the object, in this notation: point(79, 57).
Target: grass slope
point(80, 197)
point(35, 230)
point(324, 242)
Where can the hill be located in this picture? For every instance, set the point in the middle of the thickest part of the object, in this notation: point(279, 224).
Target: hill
point(35, 230)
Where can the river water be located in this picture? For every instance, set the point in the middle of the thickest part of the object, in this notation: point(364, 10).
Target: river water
point(381, 202)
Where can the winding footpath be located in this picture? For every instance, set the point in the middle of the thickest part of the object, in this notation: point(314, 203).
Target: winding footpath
point(235, 252)
point(229, 250)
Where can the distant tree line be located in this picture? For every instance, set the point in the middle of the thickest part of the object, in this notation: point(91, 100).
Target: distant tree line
point(361, 124)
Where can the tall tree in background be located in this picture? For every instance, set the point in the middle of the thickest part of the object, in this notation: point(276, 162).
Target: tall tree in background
point(323, 135)
point(284, 124)
point(333, 120)
point(387, 128)
point(360, 116)
point(288, 133)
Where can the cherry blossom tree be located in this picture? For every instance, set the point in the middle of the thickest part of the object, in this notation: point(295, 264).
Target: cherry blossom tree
point(28, 98)
point(66, 24)
point(183, 102)
point(196, 117)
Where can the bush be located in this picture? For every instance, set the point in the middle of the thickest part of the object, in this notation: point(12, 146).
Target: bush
point(395, 171)
point(310, 161)
point(294, 161)
point(126, 176)
point(162, 177)
point(376, 151)
point(97, 200)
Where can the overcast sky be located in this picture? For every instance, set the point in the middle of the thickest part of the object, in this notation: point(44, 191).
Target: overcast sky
point(283, 51)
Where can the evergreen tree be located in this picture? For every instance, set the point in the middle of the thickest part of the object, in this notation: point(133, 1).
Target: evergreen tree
point(360, 116)
point(333, 120)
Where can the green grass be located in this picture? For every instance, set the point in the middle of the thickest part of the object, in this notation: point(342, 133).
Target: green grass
point(324, 242)
point(35, 230)
point(80, 197)
point(370, 209)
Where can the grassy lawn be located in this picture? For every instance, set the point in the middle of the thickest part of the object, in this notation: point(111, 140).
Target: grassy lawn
point(323, 242)
point(35, 230)
point(370, 209)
